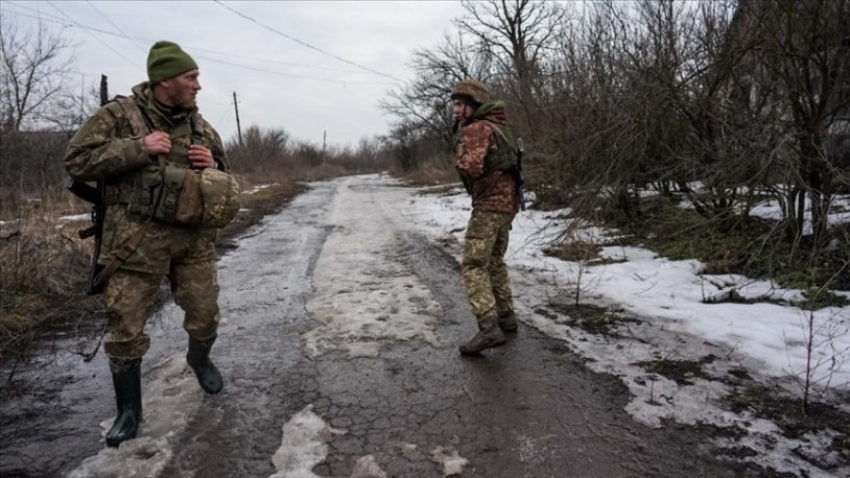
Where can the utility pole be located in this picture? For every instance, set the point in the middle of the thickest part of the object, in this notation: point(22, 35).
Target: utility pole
point(324, 145)
point(82, 97)
point(238, 127)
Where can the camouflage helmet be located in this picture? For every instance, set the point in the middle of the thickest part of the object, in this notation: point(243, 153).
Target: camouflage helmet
point(221, 197)
point(472, 89)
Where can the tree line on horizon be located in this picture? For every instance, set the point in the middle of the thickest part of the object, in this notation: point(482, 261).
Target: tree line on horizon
point(718, 105)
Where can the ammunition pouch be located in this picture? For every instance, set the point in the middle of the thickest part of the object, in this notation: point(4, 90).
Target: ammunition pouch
point(147, 188)
point(193, 197)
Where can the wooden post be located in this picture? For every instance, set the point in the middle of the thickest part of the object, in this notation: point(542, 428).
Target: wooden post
point(238, 127)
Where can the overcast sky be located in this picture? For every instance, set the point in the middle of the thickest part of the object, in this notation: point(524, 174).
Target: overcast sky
point(305, 66)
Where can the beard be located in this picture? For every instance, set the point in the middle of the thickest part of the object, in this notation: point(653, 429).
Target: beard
point(181, 101)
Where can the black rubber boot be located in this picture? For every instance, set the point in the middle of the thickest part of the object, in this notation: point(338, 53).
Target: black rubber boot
point(489, 335)
point(127, 379)
point(199, 359)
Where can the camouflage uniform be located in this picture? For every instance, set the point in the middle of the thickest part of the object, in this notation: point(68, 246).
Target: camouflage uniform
point(106, 148)
point(494, 205)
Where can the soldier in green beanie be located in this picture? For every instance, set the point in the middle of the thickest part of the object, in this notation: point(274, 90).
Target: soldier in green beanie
point(134, 145)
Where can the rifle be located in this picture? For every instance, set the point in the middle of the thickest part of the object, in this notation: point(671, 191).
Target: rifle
point(520, 148)
point(93, 195)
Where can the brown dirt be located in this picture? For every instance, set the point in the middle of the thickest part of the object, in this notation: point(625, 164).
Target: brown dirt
point(789, 413)
point(590, 318)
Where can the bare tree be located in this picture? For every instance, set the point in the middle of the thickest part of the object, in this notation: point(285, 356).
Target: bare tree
point(68, 111)
point(35, 69)
point(34, 65)
point(261, 150)
point(499, 42)
point(516, 34)
point(424, 102)
point(807, 49)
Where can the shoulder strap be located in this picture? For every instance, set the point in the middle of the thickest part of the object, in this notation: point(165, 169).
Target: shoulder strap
point(141, 127)
point(197, 123)
point(506, 156)
point(134, 116)
point(499, 131)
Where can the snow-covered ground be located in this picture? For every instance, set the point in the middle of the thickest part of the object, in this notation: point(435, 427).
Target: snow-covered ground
point(770, 341)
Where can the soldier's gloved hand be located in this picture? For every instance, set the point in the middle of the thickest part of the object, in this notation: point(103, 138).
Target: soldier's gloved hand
point(200, 156)
point(156, 143)
point(459, 150)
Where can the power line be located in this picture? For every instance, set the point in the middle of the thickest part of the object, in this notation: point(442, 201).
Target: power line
point(93, 36)
point(291, 75)
point(307, 44)
point(187, 47)
point(39, 12)
point(78, 25)
point(114, 25)
point(264, 60)
point(55, 19)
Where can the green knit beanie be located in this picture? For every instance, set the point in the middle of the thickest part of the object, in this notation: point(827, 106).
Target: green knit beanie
point(167, 60)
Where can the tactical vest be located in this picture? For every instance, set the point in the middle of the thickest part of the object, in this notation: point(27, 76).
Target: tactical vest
point(142, 126)
point(504, 158)
point(168, 190)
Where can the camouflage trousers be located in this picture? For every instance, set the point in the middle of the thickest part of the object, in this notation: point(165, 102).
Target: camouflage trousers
point(484, 269)
point(187, 257)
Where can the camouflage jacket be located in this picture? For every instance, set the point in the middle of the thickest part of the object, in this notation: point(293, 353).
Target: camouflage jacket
point(493, 191)
point(107, 148)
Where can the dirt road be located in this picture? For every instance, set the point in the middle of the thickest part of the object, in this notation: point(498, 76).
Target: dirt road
point(339, 351)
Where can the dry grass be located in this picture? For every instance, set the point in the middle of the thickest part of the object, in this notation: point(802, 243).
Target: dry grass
point(433, 172)
point(574, 251)
point(44, 264)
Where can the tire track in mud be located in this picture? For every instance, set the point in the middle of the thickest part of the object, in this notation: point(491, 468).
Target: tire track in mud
point(407, 405)
point(527, 409)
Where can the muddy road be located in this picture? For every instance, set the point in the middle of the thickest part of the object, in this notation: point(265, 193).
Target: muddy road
point(338, 346)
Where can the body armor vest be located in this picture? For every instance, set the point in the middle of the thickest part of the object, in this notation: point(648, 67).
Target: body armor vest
point(504, 158)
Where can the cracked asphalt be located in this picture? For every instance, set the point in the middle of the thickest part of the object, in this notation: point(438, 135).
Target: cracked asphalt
point(335, 306)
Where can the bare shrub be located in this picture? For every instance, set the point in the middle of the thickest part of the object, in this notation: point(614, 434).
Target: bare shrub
point(43, 264)
point(433, 171)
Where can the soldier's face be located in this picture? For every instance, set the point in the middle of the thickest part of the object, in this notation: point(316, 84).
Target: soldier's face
point(182, 90)
point(461, 109)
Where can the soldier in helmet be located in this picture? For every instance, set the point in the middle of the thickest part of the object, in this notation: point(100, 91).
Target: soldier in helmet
point(133, 146)
point(486, 162)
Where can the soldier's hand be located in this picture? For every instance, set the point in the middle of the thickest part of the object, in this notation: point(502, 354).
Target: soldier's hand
point(201, 157)
point(157, 142)
point(459, 150)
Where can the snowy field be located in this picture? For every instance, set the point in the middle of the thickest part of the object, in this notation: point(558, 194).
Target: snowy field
point(670, 298)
